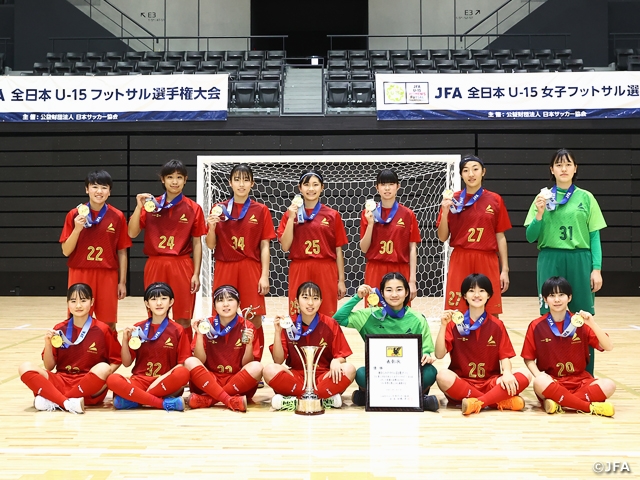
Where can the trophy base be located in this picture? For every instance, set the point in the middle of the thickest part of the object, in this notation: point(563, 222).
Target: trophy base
point(309, 406)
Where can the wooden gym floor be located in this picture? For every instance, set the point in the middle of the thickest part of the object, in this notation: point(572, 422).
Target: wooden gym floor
point(348, 443)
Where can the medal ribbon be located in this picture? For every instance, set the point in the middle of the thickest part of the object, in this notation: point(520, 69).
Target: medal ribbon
point(89, 222)
point(163, 202)
point(302, 213)
point(377, 213)
point(226, 211)
point(551, 204)
point(465, 328)
point(296, 332)
point(567, 328)
point(66, 343)
point(144, 333)
point(215, 327)
point(458, 205)
point(387, 311)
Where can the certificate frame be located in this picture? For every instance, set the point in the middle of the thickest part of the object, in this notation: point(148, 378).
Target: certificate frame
point(394, 374)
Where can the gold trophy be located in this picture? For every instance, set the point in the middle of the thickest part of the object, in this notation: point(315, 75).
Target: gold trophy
point(309, 403)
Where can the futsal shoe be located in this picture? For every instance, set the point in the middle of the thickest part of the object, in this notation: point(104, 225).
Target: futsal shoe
point(334, 401)
point(121, 403)
point(173, 403)
point(471, 405)
point(199, 401)
point(74, 405)
point(238, 403)
point(552, 407)
point(515, 403)
point(359, 397)
point(280, 402)
point(604, 409)
point(430, 403)
point(42, 404)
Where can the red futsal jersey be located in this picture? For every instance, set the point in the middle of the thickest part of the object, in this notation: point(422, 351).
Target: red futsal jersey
point(154, 359)
point(477, 356)
point(328, 334)
point(390, 241)
point(559, 357)
point(169, 231)
point(240, 239)
point(224, 354)
point(98, 346)
point(97, 245)
point(475, 227)
point(317, 238)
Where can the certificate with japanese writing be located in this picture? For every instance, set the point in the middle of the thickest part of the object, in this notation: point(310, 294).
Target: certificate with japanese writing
point(394, 380)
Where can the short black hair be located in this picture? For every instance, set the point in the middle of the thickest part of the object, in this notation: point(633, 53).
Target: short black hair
point(306, 176)
point(173, 166)
point(476, 280)
point(396, 276)
point(158, 289)
point(387, 176)
point(242, 168)
point(82, 289)
point(563, 155)
point(470, 158)
point(556, 285)
point(309, 287)
point(226, 291)
point(98, 177)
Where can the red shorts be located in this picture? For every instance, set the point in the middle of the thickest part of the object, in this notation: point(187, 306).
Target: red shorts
point(68, 386)
point(483, 385)
point(463, 263)
point(176, 271)
point(104, 284)
point(375, 270)
point(244, 276)
point(322, 272)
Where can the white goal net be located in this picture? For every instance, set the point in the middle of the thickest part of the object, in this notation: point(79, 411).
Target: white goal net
point(349, 182)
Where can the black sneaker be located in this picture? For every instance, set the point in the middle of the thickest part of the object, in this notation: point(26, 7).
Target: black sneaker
point(430, 403)
point(359, 397)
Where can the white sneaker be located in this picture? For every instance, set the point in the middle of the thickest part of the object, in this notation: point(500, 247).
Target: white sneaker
point(42, 404)
point(74, 405)
point(280, 402)
point(334, 401)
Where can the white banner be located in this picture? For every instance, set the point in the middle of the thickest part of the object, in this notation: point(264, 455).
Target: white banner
point(508, 96)
point(126, 98)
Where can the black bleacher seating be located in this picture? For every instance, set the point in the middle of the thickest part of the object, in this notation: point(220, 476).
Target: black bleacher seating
point(501, 54)
point(163, 72)
point(338, 94)
point(398, 54)
point(74, 57)
point(105, 67)
point(83, 67)
point(125, 66)
point(423, 64)
point(277, 64)
point(362, 93)
point(444, 64)
point(439, 54)
point(378, 55)
point(633, 63)
point(188, 66)
point(521, 53)
point(493, 71)
point(446, 70)
point(236, 55)
point(418, 54)
point(379, 64)
point(563, 53)
point(245, 94)
point(358, 54)
point(53, 57)
point(276, 54)
point(509, 64)
point(62, 67)
point(146, 66)
point(210, 66)
point(359, 64)
point(154, 56)
point(133, 56)
point(216, 55)
point(530, 64)
point(256, 55)
point(552, 64)
point(248, 75)
point(543, 53)
point(384, 72)
point(361, 75)
point(488, 64)
point(252, 65)
point(460, 54)
point(401, 64)
point(94, 56)
point(338, 75)
point(480, 71)
point(338, 65)
point(194, 56)
point(174, 56)
point(466, 65)
point(404, 71)
point(268, 94)
point(271, 75)
point(167, 66)
point(73, 74)
point(479, 55)
point(575, 64)
point(41, 67)
point(621, 57)
point(231, 64)
point(113, 56)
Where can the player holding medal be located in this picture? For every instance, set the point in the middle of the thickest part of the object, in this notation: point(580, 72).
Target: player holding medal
point(474, 222)
point(480, 373)
point(83, 352)
point(389, 235)
point(394, 317)
point(159, 347)
point(566, 222)
point(240, 232)
point(313, 235)
point(556, 350)
point(95, 239)
point(223, 368)
point(174, 225)
point(312, 328)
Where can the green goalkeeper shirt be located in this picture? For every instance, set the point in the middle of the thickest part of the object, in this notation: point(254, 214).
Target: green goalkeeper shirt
point(367, 324)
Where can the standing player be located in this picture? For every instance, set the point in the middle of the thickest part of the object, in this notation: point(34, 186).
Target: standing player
point(395, 317)
point(159, 347)
point(174, 225)
point(566, 223)
point(240, 235)
point(223, 368)
point(389, 235)
point(475, 221)
point(83, 352)
point(314, 234)
point(556, 351)
point(480, 351)
point(286, 376)
point(95, 239)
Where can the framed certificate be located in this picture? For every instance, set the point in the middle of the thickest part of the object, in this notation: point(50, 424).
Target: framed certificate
point(394, 376)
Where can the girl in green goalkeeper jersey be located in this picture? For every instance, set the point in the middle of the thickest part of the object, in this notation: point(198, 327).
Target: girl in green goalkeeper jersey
point(567, 228)
point(395, 317)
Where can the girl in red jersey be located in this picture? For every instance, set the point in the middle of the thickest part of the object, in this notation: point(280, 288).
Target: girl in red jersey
point(82, 351)
point(480, 372)
point(240, 235)
point(556, 350)
point(223, 368)
point(389, 235)
point(474, 221)
point(286, 375)
point(174, 225)
point(159, 347)
point(314, 234)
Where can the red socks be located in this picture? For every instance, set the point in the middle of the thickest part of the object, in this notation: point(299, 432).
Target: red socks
point(40, 385)
point(286, 384)
point(241, 383)
point(562, 396)
point(171, 384)
point(89, 385)
point(461, 389)
point(497, 393)
point(206, 381)
point(595, 394)
point(326, 387)
point(124, 388)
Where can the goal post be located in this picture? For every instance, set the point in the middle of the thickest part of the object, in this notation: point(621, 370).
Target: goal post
point(349, 180)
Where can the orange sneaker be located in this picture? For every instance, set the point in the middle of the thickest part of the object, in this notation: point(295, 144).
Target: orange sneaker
point(471, 405)
point(238, 403)
point(199, 401)
point(515, 403)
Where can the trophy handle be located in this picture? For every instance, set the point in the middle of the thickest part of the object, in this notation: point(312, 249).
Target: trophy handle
point(315, 367)
point(302, 358)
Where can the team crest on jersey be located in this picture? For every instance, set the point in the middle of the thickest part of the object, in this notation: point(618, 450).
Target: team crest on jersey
point(238, 343)
point(463, 339)
point(168, 343)
point(111, 229)
point(491, 342)
point(489, 209)
point(325, 222)
point(253, 219)
point(581, 207)
point(184, 218)
point(322, 343)
point(400, 223)
point(92, 348)
point(545, 340)
point(575, 339)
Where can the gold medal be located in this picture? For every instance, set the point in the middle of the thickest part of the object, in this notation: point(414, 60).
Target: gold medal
point(83, 210)
point(457, 317)
point(134, 343)
point(373, 299)
point(370, 205)
point(204, 327)
point(297, 201)
point(56, 341)
point(149, 206)
point(577, 320)
point(447, 194)
point(216, 211)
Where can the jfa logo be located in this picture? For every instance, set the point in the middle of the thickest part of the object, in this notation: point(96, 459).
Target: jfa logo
point(449, 92)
